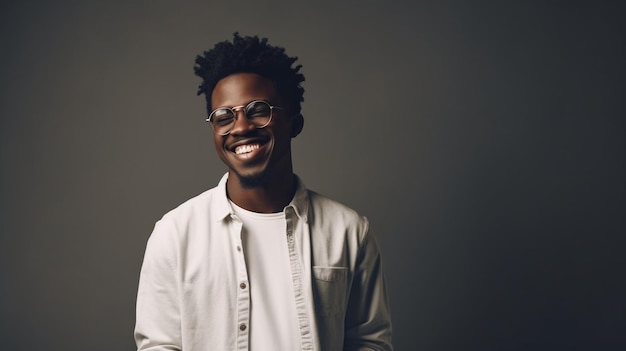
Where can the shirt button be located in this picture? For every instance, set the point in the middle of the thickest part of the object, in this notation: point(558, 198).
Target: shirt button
point(238, 248)
point(242, 327)
point(242, 285)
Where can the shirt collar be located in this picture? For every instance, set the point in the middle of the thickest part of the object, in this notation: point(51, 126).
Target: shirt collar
point(300, 201)
point(223, 209)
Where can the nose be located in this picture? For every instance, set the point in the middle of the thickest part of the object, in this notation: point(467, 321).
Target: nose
point(242, 124)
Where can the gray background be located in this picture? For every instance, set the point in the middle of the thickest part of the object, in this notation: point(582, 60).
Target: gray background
point(485, 141)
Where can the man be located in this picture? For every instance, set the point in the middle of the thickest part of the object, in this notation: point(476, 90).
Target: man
point(259, 262)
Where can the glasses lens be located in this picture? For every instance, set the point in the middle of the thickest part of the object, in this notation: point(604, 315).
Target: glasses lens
point(259, 113)
point(222, 120)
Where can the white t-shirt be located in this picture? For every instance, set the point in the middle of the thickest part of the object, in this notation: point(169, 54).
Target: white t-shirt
point(273, 316)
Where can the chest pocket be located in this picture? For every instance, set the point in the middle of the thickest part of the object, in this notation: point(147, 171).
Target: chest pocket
point(331, 287)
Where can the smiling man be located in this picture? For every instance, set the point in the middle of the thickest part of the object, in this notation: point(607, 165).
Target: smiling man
point(259, 262)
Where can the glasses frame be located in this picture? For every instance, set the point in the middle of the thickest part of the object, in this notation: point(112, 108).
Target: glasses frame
point(243, 109)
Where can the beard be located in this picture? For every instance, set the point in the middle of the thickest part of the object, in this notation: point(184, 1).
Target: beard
point(253, 181)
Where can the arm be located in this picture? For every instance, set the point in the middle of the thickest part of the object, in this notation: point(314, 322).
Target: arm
point(158, 313)
point(368, 321)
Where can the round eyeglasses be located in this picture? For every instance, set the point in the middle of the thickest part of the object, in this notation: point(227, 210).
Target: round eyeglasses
point(257, 112)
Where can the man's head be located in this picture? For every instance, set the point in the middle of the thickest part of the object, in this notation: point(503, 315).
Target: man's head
point(235, 75)
point(250, 55)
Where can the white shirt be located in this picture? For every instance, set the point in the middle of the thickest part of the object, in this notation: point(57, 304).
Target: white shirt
point(190, 295)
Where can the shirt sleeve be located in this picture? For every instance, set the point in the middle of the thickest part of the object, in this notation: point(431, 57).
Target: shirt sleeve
point(368, 320)
point(158, 324)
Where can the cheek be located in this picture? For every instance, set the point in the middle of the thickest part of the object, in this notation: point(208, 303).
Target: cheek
point(217, 139)
point(219, 143)
point(283, 135)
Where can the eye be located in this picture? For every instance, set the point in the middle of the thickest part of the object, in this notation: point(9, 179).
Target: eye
point(258, 109)
point(222, 117)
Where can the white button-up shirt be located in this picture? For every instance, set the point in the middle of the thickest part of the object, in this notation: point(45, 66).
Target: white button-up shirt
point(193, 290)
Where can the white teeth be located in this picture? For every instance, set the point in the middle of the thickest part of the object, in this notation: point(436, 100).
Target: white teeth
point(244, 149)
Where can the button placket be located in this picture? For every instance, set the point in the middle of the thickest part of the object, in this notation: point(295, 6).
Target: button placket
point(243, 293)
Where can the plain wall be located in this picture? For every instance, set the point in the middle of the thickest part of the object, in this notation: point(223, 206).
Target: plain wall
point(485, 142)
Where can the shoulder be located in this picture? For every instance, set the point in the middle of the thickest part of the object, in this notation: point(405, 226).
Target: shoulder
point(200, 203)
point(327, 212)
point(325, 204)
point(189, 217)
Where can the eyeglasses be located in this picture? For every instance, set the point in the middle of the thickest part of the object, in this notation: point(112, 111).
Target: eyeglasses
point(258, 112)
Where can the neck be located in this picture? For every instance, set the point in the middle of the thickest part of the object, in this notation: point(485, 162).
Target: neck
point(269, 197)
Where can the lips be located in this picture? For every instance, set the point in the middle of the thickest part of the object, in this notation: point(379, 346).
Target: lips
point(249, 149)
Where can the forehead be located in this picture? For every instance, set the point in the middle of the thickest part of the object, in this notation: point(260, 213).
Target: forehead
point(241, 88)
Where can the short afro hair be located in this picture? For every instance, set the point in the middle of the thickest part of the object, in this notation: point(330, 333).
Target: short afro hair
point(250, 55)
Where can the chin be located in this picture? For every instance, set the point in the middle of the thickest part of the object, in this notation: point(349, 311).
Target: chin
point(252, 180)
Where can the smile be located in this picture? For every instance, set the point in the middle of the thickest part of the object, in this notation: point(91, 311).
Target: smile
point(244, 149)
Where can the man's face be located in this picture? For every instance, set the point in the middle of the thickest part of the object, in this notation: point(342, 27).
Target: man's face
point(253, 154)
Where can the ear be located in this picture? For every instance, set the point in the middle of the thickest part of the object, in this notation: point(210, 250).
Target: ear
point(297, 123)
